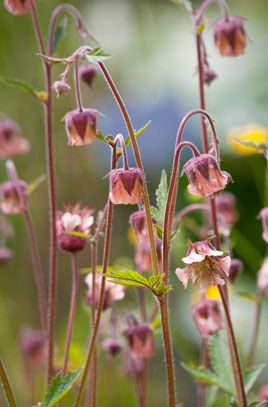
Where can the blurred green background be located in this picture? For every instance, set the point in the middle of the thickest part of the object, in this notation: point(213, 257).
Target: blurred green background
point(153, 63)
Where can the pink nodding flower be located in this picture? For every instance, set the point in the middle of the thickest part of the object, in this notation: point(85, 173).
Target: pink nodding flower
point(226, 212)
point(209, 75)
point(230, 36)
point(262, 277)
point(18, 7)
point(207, 317)
point(61, 88)
point(11, 141)
point(236, 268)
point(140, 340)
point(112, 346)
point(113, 292)
point(143, 254)
point(263, 394)
point(32, 344)
point(205, 265)
point(88, 73)
point(126, 186)
point(5, 255)
point(204, 175)
point(81, 127)
point(263, 215)
point(10, 201)
point(73, 219)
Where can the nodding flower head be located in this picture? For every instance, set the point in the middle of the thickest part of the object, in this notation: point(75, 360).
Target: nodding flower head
point(204, 175)
point(262, 278)
point(11, 141)
point(205, 265)
point(33, 345)
point(143, 258)
point(17, 7)
point(81, 127)
point(5, 255)
point(263, 215)
point(236, 268)
point(60, 88)
point(139, 225)
point(230, 36)
point(226, 212)
point(207, 317)
point(140, 340)
point(112, 346)
point(10, 200)
point(113, 292)
point(73, 219)
point(88, 73)
point(126, 186)
point(209, 75)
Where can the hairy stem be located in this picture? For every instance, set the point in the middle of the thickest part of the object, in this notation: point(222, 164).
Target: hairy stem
point(6, 385)
point(77, 87)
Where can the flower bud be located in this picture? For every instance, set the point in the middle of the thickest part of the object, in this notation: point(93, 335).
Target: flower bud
point(61, 87)
point(74, 219)
point(17, 7)
point(112, 346)
point(263, 215)
point(207, 317)
point(126, 186)
point(33, 345)
point(204, 175)
point(143, 254)
point(262, 277)
point(140, 340)
point(81, 127)
point(11, 141)
point(10, 202)
point(88, 73)
point(209, 75)
point(235, 269)
point(263, 394)
point(229, 36)
point(5, 255)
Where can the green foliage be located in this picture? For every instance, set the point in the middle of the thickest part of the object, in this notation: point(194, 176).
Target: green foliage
point(186, 4)
point(138, 133)
point(161, 199)
point(260, 147)
point(97, 55)
point(246, 295)
point(251, 375)
point(205, 375)
point(101, 137)
point(25, 87)
point(59, 388)
point(60, 32)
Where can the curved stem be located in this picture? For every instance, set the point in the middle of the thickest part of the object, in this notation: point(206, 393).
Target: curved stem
point(6, 385)
point(168, 351)
point(255, 332)
point(189, 208)
point(77, 87)
point(106, 252)
point(123, 148)
point(205, 5)
point(71, 312)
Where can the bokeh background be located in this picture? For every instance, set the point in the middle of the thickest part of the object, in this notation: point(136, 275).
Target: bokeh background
point(154, 65)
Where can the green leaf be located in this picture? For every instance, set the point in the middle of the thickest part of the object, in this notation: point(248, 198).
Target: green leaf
point(220, 360)
point(204, 375)
point(161, 198)
point(257, 403)
point(129, 277)
point(186, 4)
point(156, 323)
point(246, 296)
point(251, 375)
point(211, 395)
point(101, 137)
point(97, 55)
point(60, 32)
point(259, 147)
point(159, 231)
point(59, 388)
point(156, 214)
point(138, 133)
point(22, 85)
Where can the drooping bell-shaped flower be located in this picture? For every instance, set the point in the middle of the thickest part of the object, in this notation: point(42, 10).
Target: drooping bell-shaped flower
point(113, 292)
point(88, 73)
point(230, 36)
point(112, 346)
point(9, 197)
point(143, 258)
point(11, 141)
point(140, 340)
point(126, 186)
point(17, 7)
point(263, 215)
point(207, 317)
point(205, 265)
point(81, 126)
point(32, 344)
point(61, 88)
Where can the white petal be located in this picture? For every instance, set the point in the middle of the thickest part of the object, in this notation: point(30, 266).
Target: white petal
point(182, 276)
point(70, 221)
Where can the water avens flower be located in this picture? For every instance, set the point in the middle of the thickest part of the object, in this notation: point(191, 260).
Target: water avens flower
point(143, 258)
point(204, 175)
point(32, 344)
point(11, 141)
point(126, 186)
point(205, 265)
point(88, 73)
point(230, 36)
point(9, 198)
point(236, 268)
point(140, 340)
point(138, 222)
point(207, 317)
point(81, 126)
point(262, 277)
point(61, 88)
point(209, 75)
point(113, 292)
point(263, 215)
point(226, 212)
point(73, 219)
point(112, 346)
point(17, 7)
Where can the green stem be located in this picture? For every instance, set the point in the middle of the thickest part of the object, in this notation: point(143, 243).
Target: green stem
point(7, 388)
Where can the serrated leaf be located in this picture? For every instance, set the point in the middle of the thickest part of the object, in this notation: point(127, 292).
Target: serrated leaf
point(204, 375)
point(129, 277)
point(60, 32)
point(153, 280)
point(186, 4)
point(59, 388)
point(220, 360)
point(156, 215)
point(161, 198)
point(251, 375)
point(97, 55)
point(138, 133)
point(22, 85)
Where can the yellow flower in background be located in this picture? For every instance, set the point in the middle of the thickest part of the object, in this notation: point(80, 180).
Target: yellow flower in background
point(212, 293)
point(254, 133)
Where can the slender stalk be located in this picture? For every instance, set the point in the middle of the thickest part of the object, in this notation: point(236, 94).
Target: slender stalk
point(106, 252)
point(51, 197)
point(189, 208)
point(237, 371)
point(71, 312)
point(168, 351)
point(204, 6)
point(255, 332)
point(77, 87)
point(123, 148)
point(6, 385)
